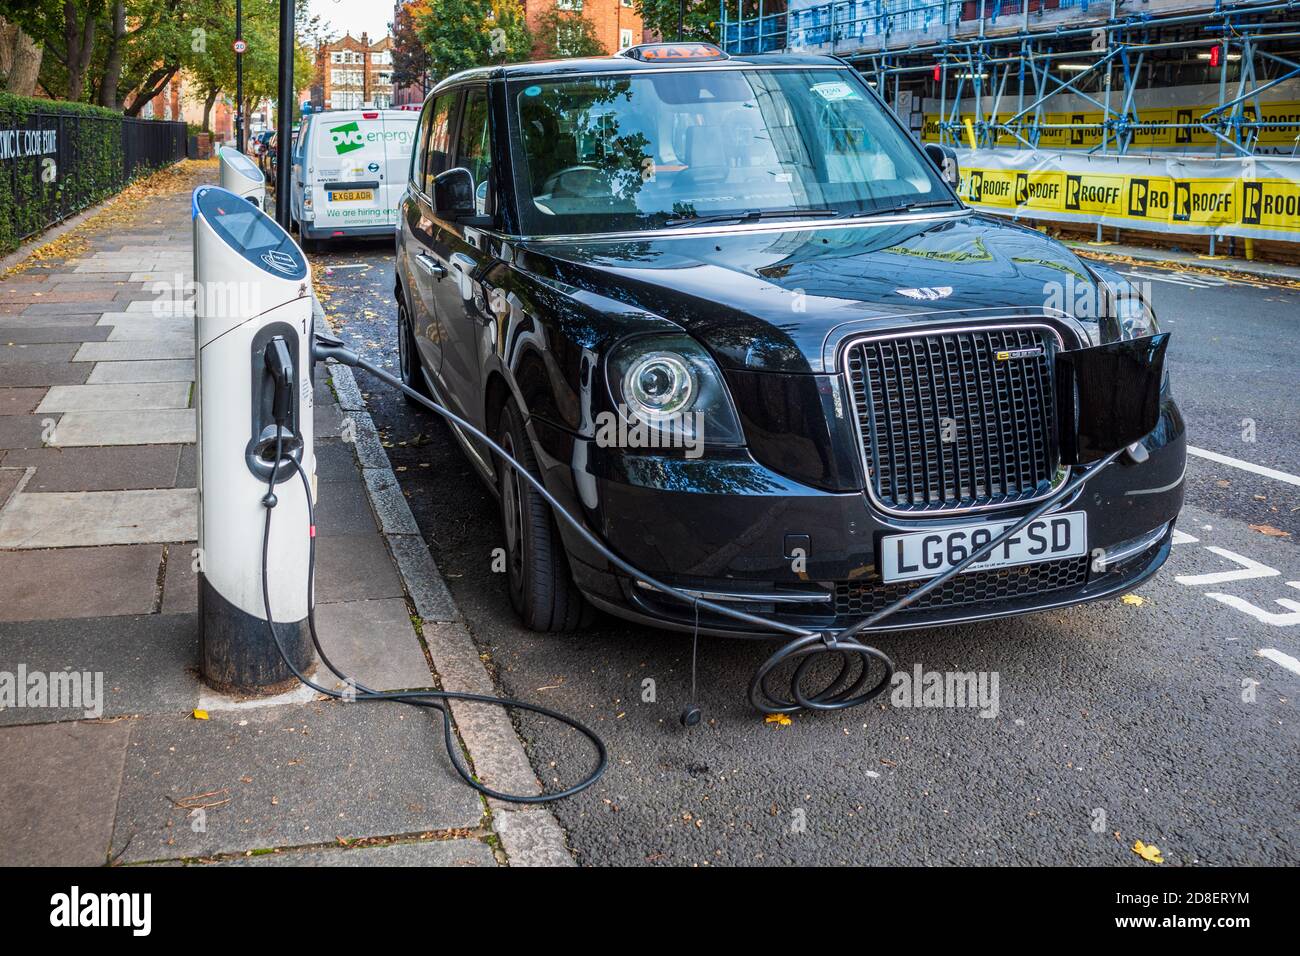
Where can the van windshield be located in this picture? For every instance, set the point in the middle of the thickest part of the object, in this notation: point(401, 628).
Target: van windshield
point(651, 150)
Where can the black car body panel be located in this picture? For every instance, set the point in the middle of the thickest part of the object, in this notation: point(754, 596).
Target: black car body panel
point(501, 316)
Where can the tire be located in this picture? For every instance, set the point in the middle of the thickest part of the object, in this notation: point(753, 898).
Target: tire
point(308, 245)
point(410, 365)
point(541, 586)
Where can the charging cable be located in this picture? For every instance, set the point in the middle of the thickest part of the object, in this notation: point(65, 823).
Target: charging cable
point(805, 647)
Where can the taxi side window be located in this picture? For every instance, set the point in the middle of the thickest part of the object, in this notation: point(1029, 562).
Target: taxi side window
point(436, 158)
point(474, 145)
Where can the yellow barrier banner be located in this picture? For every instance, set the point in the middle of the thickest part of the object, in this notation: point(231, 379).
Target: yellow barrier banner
point(1173, 126)
point(1256, 197)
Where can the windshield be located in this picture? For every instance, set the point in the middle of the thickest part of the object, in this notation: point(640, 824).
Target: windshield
point(648, 150)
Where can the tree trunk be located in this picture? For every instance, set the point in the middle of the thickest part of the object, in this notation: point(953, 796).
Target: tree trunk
point(80, 39)
point(151, 87)
point(20, 59)
point(113, 65)
point(207, 110)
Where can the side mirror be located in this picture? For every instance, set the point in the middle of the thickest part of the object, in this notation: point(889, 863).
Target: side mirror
point(945, 160)
point(453, 194)
point(453, 198)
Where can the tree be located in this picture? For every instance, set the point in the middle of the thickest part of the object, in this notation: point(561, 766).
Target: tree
point(466, 33)
point(567, 33)
point(20, 59)
point(700, 23)
point(410, 58)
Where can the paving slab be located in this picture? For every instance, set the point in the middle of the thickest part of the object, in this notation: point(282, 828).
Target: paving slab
point(355, 567)
point(91, 518)
point(161, 306)
point(146, 664)
point(154, 426)
point(42, 374)
point(98, 306)
point(149, 327)
point(335, 461)
point(20, 401)
point(18, 353)
point(180, 582)
point(343, 508)
point(113, 468)
point(116, 397)
point(59, 810)
point(10, 479)
point(38, 332)
point(293, 775)
point(373, 642)
point(24, 431)
point(461, 852)
point(78, 582)
point(169, 347)
point(160, 370)
point(77, 320)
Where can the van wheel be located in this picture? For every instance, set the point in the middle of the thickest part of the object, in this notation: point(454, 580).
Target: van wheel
point(409, 363)
point(541, 586)
point(308, 245)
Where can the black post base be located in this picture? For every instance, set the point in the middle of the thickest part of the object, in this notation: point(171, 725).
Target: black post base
point(236, 653)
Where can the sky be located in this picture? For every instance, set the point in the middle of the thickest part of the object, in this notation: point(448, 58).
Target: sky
point(353, 16)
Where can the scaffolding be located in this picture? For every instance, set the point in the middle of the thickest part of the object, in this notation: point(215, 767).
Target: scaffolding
point(989, 74)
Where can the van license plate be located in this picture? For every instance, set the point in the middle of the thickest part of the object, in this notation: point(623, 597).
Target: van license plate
point(353, 195)
point(925, 554)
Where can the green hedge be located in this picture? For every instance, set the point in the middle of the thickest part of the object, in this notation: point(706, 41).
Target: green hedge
point(85, 144)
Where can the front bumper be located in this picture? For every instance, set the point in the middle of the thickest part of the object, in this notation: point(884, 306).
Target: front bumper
point(725, 526)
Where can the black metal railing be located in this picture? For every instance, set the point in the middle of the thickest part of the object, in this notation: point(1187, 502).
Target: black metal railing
point(956, 420)
point(56, 159)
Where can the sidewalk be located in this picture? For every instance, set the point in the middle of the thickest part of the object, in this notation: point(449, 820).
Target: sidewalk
point(98, 516)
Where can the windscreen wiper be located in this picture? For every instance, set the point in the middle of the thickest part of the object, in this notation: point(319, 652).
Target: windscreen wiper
point(752, 215)
point(905, 207)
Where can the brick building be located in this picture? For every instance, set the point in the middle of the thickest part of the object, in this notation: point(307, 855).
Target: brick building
point(352, 73)
point(617, 24)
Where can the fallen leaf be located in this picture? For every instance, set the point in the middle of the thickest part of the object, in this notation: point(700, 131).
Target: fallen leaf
point(781, 720)
point(1150, 853)
point(1136, 600)
point(200, 715)
point(1268, 529)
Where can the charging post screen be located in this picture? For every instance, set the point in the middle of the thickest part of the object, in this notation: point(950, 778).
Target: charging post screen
point(251, 233)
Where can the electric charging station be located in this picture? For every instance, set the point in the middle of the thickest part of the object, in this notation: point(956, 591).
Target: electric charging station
point(253, 357)
point(240, 175)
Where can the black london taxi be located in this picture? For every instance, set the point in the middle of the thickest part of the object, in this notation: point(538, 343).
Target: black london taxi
point(735, 318)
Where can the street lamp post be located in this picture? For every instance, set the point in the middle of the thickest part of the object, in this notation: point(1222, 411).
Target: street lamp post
point(239, 75)
point(284, 118)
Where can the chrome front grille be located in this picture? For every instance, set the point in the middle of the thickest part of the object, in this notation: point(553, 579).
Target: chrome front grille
point(946, 425)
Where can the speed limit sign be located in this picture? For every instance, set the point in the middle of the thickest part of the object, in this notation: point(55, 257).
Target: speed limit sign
point(240, 46)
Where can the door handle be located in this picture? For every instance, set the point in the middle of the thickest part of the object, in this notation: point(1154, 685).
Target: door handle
point(431, 265)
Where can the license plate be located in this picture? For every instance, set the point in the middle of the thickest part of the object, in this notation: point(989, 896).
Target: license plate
point(353, 195)
point(926, 554)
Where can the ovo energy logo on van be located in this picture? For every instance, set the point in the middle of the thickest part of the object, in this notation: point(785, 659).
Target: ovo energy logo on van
point(346, 138)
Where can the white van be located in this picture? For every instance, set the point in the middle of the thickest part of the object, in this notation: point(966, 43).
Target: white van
point(349, 172)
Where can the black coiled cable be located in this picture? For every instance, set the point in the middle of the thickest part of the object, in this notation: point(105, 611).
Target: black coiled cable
point(433, 699)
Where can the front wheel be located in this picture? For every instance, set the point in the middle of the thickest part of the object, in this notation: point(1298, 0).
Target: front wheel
point(409, 363)
point(542, 591)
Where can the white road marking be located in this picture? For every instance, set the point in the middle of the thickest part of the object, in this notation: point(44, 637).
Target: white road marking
point(1245, 466)
point(1249, 570)
point(1182, 537)
point(349, 265)
point(1181, 278)
point(1272, 618)
point(1277, 657)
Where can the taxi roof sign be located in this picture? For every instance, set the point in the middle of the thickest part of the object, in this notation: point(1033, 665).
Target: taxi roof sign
point(674, 52)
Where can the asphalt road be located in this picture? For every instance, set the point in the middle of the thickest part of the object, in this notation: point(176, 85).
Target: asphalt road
point(1116, 721)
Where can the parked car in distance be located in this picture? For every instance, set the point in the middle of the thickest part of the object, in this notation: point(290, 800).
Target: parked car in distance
point(735, 318)
point(349, 171)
